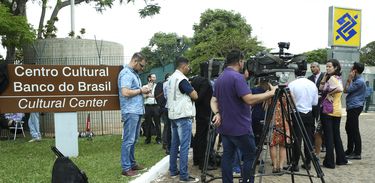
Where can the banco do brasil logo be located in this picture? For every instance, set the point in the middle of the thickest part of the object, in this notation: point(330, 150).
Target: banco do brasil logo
point(346, 30)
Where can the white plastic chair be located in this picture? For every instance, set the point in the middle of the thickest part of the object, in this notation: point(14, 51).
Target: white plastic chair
point(18, 125)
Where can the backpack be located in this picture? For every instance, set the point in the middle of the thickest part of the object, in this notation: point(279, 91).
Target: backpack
point(159, 95)
point(65, 171)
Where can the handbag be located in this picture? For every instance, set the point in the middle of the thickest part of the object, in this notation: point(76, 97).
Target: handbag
point(327, 106)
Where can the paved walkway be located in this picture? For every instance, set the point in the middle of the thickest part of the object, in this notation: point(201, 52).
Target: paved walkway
point(361, 171)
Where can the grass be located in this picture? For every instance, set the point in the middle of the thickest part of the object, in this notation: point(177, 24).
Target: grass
point(21, 161)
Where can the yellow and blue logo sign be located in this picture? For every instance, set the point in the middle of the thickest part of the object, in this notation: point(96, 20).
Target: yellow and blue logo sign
point(346, 27)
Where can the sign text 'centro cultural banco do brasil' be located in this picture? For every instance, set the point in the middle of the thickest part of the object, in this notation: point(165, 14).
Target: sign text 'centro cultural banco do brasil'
point(59, 88)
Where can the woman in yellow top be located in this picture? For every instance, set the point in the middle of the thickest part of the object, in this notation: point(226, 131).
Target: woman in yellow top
point(332, 88)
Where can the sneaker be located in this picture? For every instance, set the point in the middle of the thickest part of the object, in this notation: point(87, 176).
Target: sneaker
point(138, 167)
point(175, 175)
point(190, 179)
point(236, 171)
point(33, 140)
point(349, 163)
point(130, 173)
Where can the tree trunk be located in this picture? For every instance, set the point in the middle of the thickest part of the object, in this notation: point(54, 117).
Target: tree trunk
point(18, 9)
point(11, 54)
point(41, 21)
point(58, 7)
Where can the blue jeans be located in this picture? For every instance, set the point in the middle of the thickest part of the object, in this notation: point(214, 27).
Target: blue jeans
point(246, 144)
point(237, 159)
point(181, 136)
point(34, 125)
point(131, 132)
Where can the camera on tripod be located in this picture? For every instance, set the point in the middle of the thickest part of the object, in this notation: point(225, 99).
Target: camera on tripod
point(211, 68)
point(275, 67)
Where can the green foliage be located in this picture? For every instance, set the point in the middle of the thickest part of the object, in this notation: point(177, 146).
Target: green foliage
point(368, 54)
point(163, 49)
point(50, 29)
point(318, 55)
point(149, 10)
point(100, 159)
point(14, 30)
point(218, 32)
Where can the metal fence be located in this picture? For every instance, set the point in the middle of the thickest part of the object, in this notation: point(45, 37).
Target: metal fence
point(102, 122)
point(159, 72)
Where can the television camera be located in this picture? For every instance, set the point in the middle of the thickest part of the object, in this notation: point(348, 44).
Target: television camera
point(275, 67)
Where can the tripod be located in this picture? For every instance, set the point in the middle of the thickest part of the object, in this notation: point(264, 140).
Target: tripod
point(287, 112)
point(208, 153)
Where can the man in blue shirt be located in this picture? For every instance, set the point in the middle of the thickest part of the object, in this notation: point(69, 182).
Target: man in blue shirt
point(132, 109)
point(230, 105)
point(369, 92)
point(356, 89)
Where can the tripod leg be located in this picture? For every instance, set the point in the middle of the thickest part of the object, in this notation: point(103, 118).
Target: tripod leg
point(302, 130)
point(210, 137)
point(268, 119)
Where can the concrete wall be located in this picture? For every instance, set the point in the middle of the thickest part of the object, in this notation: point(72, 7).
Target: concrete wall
point(73, 52)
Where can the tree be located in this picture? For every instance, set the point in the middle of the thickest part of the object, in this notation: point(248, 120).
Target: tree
point(318, 55)
point(18, 8)
point(14, 31)
point(218, 32)
point(367, 54)
point(163, 49)
point(48, 30)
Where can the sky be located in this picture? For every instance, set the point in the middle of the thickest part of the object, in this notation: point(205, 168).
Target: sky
point(303, 23)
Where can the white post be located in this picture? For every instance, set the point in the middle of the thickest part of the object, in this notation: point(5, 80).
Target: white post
point(72, 16)
point(66, 133)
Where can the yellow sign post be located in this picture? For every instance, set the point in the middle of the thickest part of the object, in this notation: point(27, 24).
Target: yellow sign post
point(345, 27)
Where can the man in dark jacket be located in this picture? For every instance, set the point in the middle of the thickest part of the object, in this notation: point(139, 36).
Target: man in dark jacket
point(203, 111)
point(316, 77)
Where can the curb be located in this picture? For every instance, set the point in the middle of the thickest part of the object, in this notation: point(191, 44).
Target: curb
point(159, 169)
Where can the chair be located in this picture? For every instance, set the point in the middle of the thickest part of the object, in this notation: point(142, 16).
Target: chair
point(18, 125)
